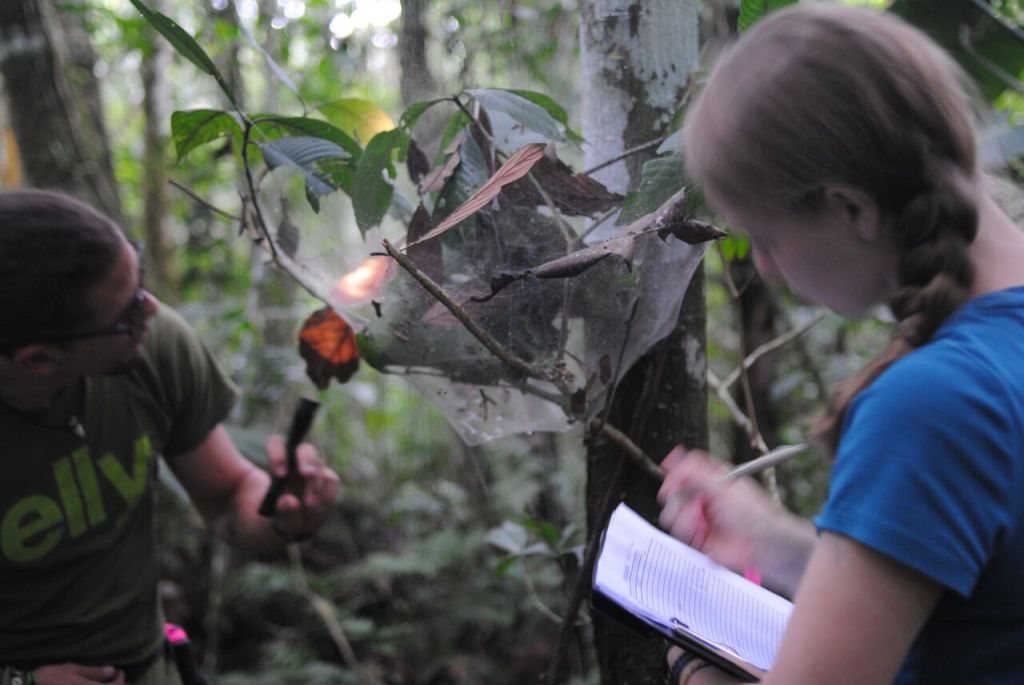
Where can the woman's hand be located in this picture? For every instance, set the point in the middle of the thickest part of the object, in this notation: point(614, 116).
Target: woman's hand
point(707, 675)
point(77, 674)
point(735, 523)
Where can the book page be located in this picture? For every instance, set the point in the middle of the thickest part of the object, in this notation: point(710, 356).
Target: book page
point(657, 577)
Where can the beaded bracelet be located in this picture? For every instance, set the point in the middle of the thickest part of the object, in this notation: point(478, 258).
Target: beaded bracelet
point(682, 661)
point(691, 668)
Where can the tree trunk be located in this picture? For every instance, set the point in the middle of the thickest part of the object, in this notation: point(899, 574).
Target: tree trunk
point(636, 58)
point(47, 64)
point(156, 108)
point(418, 81)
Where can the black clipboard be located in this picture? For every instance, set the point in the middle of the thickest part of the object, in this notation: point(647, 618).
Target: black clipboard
point(679, 634)
point(726, 661)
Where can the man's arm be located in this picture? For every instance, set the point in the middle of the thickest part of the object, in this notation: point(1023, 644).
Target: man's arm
point(227, 490)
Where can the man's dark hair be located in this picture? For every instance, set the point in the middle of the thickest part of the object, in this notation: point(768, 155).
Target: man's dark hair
point(53, 250)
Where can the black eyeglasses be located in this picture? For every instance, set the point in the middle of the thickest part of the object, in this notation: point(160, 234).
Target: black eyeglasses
point(128, 323)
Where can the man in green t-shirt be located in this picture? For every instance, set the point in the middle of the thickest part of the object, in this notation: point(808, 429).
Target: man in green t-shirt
point(98, 380)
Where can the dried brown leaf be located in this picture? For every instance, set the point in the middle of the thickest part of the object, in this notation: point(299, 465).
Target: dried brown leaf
point(435, 179)
point(517, 166)
point(573, 194)
point(416, 162)
point(690, 231)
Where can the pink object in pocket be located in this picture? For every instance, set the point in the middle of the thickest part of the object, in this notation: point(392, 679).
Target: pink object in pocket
point(175, 634)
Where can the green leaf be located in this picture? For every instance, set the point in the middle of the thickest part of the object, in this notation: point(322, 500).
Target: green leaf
point(735, 247)
point(661, 178)
point(357, 117)
point(530, 115)
point(455, 125)
point(544, 530)
point(552, 108)
point(273, 126)
point(414, 111)
point(500, 570)
point(193, 128)
point(316, 158)
point(371, 190)
point(752, 10)
point(509, 537)
point(992, 52)
point(186, 46)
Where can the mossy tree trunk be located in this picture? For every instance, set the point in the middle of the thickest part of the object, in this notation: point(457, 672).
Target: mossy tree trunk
point(47, 64)
point(636, 58)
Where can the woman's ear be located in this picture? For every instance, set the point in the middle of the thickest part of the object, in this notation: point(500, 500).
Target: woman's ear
point(855, 208)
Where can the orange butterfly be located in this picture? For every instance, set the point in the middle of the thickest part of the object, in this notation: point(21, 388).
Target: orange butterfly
point(328, 345)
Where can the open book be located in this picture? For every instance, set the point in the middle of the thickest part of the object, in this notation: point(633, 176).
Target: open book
point(642, 574)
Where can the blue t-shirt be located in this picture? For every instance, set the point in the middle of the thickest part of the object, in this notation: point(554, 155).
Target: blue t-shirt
point(930, 472)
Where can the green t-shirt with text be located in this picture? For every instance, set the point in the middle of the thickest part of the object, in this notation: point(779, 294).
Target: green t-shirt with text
point(78, 563)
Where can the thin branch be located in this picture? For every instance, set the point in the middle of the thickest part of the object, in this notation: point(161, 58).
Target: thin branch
point(626, 153)
point(537, 602)
point(597, 222)
point(730, 283)
point(770, 346)
point(495, 348)
point(264, 230)
point(200, 200)
point(636, 455)
point(1004, 77)
point(738, 416)
point(293, 269)
point(756, 439)
point(570, 236)
point(325, 609)
point(266, 242)
point(748, 392)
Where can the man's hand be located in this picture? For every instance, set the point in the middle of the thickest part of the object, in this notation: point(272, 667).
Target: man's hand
point(227, 490)
point(77, 674)
point(309, 496)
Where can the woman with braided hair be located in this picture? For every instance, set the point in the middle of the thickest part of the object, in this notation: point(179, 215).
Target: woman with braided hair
point(841, 141)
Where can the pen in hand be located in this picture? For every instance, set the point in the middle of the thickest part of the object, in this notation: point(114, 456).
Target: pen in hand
point(302, 419)
point(765, 461)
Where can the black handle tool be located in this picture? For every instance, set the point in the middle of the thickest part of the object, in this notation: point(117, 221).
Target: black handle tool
point(302, 419)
